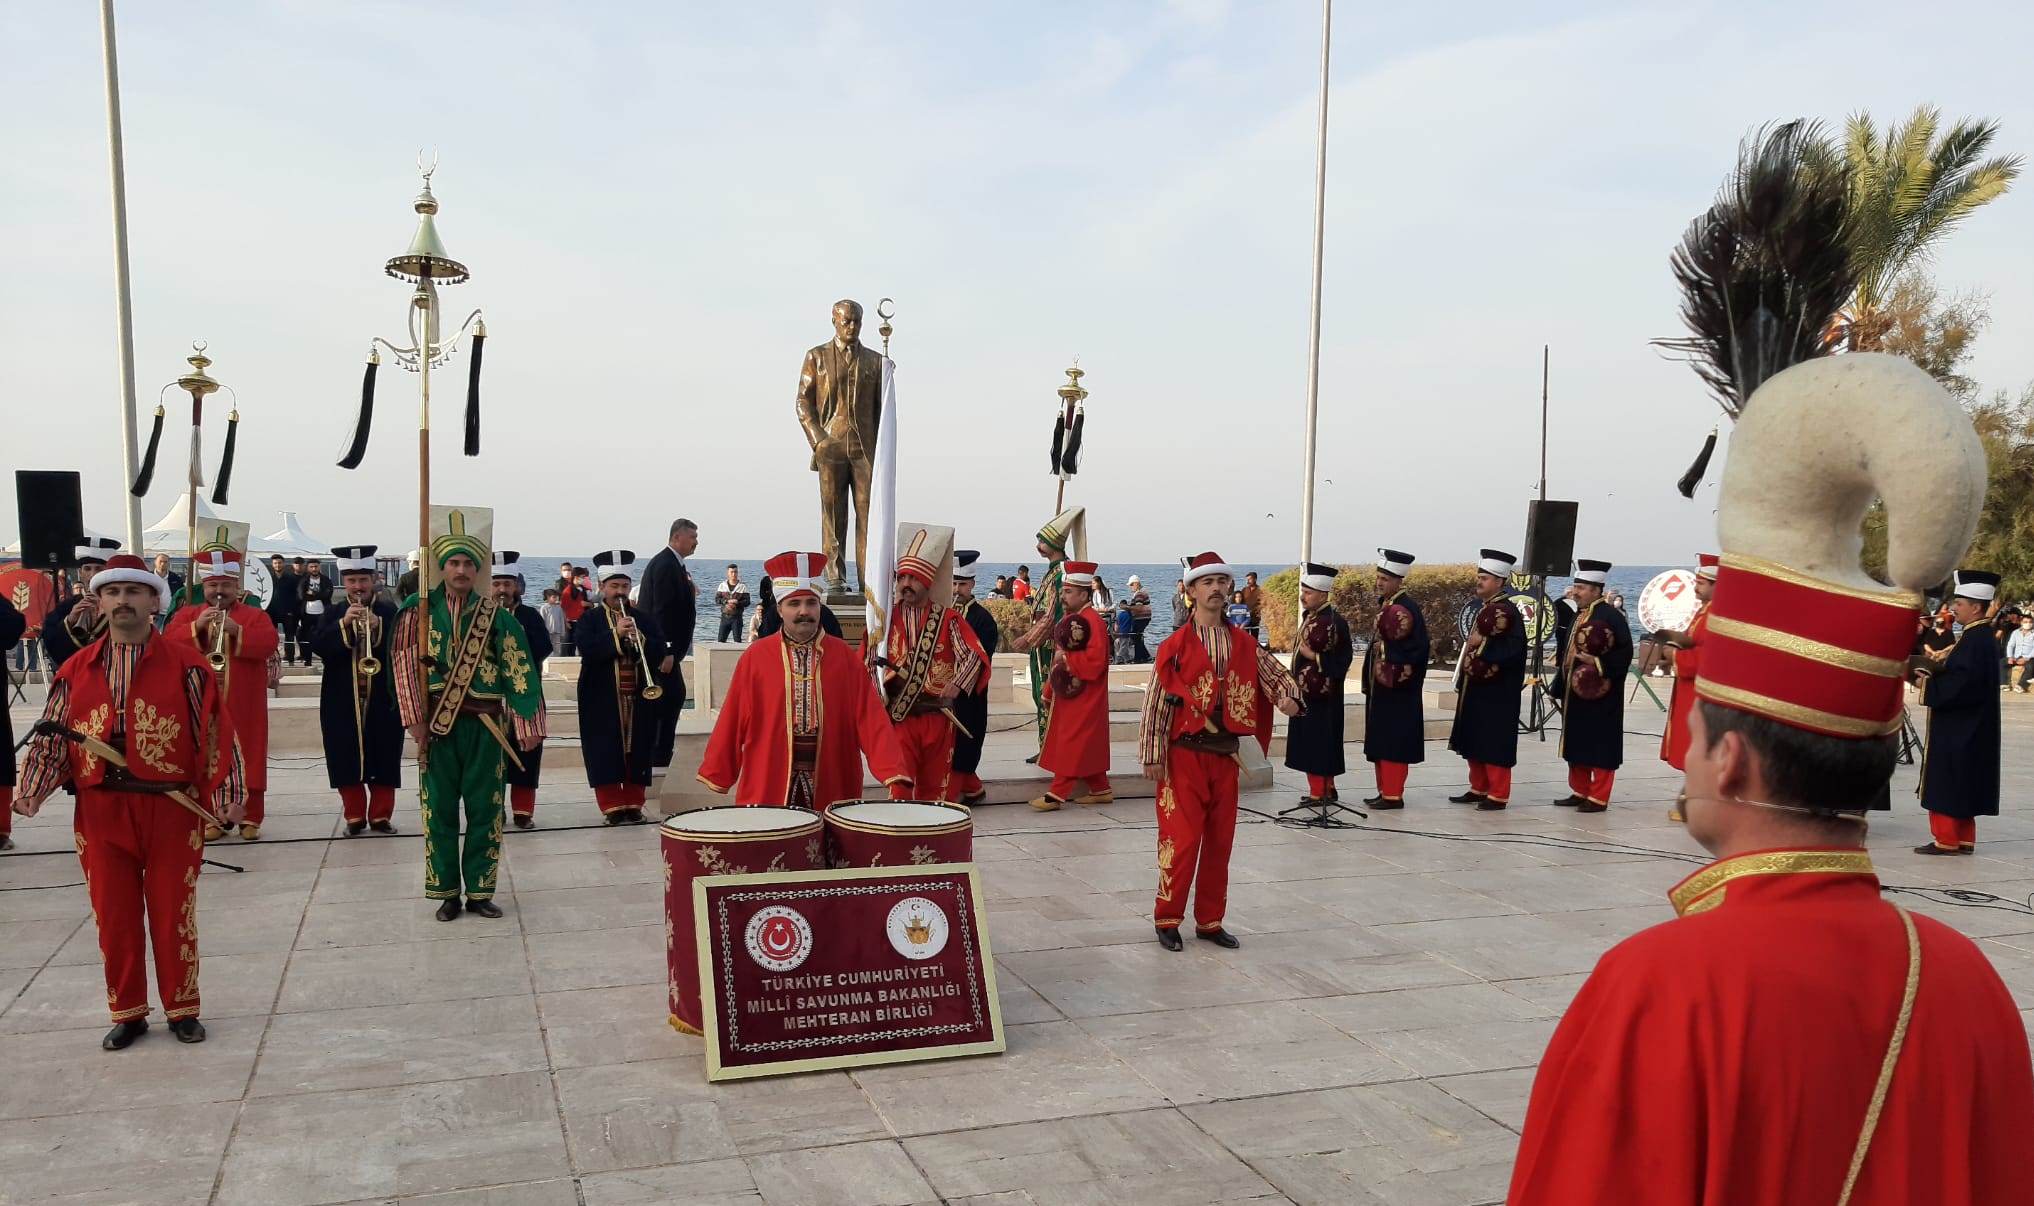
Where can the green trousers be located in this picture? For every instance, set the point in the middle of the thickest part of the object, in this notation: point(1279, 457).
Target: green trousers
point(462, 771)
point(1041, 666)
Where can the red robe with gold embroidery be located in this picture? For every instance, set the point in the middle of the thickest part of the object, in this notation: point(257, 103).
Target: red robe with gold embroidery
point(1077, 722)
point(1728, 1058)
point(1674, 742)
point(245, 679)
point(751, 746)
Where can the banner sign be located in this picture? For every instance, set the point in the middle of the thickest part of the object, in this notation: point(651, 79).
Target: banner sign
point(801, 970)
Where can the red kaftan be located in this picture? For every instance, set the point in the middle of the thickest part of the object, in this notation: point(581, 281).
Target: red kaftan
point(1674, 742)
point(1077, 725)
point(751, 746)
point(1728, 1058)
point(245, 679)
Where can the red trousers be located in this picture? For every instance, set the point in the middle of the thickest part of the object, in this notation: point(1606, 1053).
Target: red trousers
point(926, 741)
point(1491, 782)
point(362, 803)
point(965, 785)
point(141, 855)
point(6, 809)
point(1391, 779)
point(257, 806)
point(523, 801)
point(1321, 787)
point(1196, 829)
point(1066, 787)
point(613, 797)
point(1590, 782)
point(1953, 833)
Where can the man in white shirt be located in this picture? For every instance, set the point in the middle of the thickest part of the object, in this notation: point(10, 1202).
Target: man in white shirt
point(733, 598)
point(2019, 649)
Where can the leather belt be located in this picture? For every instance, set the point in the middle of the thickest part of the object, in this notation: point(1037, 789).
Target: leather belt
point(117, 779)
point(1224, 744)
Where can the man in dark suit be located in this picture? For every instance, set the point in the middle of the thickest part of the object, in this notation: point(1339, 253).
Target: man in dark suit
point(285, 610)
point(840, 405)
point(669, 598)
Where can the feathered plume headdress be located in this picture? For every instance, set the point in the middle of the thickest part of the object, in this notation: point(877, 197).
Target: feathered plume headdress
point(1765, 270)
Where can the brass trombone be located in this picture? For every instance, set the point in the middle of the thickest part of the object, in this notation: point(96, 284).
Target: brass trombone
point(650, 688)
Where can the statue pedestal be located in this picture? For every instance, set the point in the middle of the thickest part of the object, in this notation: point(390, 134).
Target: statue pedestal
point(851, 608)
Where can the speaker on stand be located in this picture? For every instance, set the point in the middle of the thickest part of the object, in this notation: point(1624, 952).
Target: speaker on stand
point(1549, 553)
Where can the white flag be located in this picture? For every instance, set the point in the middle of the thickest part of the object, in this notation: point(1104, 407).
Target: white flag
point(880, 572)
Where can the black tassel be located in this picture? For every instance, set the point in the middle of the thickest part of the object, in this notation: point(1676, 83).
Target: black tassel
point(1071, 459)
point(1058, 435)
point(473, 397)
point(226, 460)
point(147, 473)
point(1693, 477)
point(350, 459)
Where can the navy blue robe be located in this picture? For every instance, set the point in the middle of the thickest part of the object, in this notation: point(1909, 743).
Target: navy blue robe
point(1960, 772)
point(57, 643)
point(1313, 739)
point(609, 757)
point(363, 747)
point(539, 638)
point(1394, 717)
point(973, 708)
point(1592, 730)
point(1486, 710)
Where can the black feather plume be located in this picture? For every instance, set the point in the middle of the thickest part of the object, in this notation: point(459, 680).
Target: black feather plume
point(364, 421)
point(226, 460)
point(473, 397)
point(1058, 439)
point(1693, 477)
point(1765, 271)
point(1070, 460)
point(147, 471)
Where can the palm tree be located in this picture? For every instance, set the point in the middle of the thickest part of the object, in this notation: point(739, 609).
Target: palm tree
point(1908, 189)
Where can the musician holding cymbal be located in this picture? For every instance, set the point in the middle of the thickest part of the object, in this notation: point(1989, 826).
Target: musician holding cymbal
point(618, 645)
point(357, 717)
point(1595, 657)
point(1313, 739)
point(1394, 679)
point(1492, 678)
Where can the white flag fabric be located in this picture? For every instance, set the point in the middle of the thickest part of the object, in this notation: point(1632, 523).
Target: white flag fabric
point(880, 572)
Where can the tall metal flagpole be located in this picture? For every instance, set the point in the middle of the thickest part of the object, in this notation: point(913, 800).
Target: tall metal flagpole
point(117, 154)
point(1314, 317)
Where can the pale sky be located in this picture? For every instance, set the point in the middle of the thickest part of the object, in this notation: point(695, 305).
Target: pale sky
point(660, 202)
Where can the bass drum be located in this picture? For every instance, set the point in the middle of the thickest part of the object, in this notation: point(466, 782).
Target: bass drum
point(730, 840)
point(1668, 601)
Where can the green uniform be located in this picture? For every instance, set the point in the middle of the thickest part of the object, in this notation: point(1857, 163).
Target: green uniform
point(462, 771)
point(1045, 603)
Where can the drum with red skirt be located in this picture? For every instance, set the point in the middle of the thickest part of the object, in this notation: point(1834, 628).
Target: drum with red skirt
point(734, 840)
point(898, 833)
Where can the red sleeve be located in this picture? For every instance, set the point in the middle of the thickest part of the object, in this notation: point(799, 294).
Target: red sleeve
point(721, 765)
point(179, 627)
point(258, 637)
point(878, 736)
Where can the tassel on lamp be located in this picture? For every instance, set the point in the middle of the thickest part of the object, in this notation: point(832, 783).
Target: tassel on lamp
point(364, 421)
point(147, 472)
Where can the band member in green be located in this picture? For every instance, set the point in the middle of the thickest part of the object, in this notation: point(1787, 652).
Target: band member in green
point(470, 707)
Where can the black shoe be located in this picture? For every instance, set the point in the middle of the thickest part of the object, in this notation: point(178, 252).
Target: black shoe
point(382, 826)
point(972, 798)
point(1168, 937)
point(1489, 805)
point(188, 1030)
point(124, 1033)
point(1568, 801)
point(6, 841)
point(355, 828)
point(1219, 936)
point(1373, 801)
point(1382, 803)
point(1032, 760)
point(448, 908)
point(612, 818)
point(523, 822)
point(1468, 797)
point(1587, 806)
point(1932, 848)
point(483, 908)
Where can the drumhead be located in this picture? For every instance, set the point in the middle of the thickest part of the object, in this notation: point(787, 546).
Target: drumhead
point(899, 814)
point(721, 821)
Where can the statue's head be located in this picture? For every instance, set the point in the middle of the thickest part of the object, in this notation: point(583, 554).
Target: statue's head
point(847, 321)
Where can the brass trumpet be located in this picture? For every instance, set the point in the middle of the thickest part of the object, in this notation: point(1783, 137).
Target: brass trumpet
point(216, 655)
point(364, 662)
point(650, 688)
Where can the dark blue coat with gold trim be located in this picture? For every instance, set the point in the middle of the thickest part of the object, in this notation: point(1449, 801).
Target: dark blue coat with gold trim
point(363, 732)
point(1486, 711)
point(617, 726)
point(1960, 777)
point(1313, 739)
point(1394, 687)
point(1592, 730)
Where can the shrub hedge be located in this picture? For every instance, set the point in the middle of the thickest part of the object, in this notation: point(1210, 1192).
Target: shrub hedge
point(1440, 590)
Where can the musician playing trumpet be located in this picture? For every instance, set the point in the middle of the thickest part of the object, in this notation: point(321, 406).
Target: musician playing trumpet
point(618, 648)
point(362, 730)
point(237, 639)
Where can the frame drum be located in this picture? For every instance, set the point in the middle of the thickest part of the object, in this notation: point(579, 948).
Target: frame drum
point(731, 840)
point(898, 833)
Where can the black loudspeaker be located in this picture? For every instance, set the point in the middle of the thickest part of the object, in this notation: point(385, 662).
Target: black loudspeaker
point(51, 506)
point(1550, 538)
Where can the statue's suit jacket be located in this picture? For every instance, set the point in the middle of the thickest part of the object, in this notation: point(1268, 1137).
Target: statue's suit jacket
point(840, 397)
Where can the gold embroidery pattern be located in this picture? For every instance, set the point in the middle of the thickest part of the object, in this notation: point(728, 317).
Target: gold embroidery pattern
point(812, 853)
point(430, 858)
point(921, 855)
point(710, 858)
point(187, 917)
point(776, 862)
point(1804, 647)
point(1165, 869)
point(187, 954)
point(1166, 804)
point(493, 847)
point(94, 725)
point(1690, 892)
point(154, 732)
point(1242, 703)
point(1793, 713)
point(1204, 691)
point(488, 674)
point(516, 664)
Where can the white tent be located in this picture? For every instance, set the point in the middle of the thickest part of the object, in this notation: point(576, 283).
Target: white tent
point(291, 540)
point(171, 533)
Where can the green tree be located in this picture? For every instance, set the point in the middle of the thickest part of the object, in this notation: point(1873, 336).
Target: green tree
point(1908, 188)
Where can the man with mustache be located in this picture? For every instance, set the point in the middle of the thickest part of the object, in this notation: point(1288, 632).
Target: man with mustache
point(357, 717)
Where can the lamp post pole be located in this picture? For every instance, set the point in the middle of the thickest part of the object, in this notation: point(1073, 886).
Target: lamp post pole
point(117, 155)
point(1314, 309)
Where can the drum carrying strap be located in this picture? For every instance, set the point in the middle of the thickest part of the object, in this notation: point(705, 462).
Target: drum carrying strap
point(1894, 1046)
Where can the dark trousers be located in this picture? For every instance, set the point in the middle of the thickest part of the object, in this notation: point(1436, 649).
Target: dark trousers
point(288, 646)
point(667, 719)
point(730, 628)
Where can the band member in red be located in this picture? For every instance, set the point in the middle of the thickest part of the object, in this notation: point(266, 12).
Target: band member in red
point(1960, 771)
point(1394, 682)
point(618, 648)
point(363, 732)
point(158, 707)
point(972, 708)
point(246, 638)
point(1213, 685)
point(1313, 741)
point(1595, 657)
point(930, 659)
point(1687, 655)
point(1488, 687)
point(1076, 748)
point(802, 711)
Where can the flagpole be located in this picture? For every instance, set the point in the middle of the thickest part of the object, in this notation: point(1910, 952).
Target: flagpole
point(1314, 314)
point(116, 153)
point(1312, 338)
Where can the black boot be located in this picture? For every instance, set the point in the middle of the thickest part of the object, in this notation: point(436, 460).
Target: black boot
point(448, 908)
point(124, 1033)
point(483, 908)
point(525, 822)
point(6, 841)
point(188, 1030)
point(382, 826)
point(1168, 937)
point(355, 828)
point(1219, 936)
point(1468, 797)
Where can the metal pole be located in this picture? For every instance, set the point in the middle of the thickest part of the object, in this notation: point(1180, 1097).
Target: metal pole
point(427, 300)
point(117, 155)
point(1314, 315)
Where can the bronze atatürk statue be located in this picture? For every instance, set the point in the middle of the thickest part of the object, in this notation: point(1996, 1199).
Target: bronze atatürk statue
point(840, 402)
